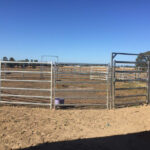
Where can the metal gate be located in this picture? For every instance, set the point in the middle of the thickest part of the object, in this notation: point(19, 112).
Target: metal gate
point(130, 84)
point(81, 84)
point(26, 83)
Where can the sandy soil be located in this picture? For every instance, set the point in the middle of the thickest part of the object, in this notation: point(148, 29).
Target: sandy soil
point(22, 127)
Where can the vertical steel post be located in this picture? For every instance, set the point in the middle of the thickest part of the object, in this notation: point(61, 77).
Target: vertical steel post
point(114, 86)
point(148, 84)
point(0, 78)
point(113, 55)
point(54, 81)
point(51, 87)
point(107, 79)
point(111, 80)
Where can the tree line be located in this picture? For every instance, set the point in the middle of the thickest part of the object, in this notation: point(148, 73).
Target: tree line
point(22, 65)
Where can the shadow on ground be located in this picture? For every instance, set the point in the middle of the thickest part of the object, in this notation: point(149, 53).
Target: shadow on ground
point(135, 141)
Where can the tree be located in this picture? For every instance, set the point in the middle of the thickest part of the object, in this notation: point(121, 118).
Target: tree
point(26, 60)
point(26, 65)
point(142, 59)
point(11, 64)
point(34, 65)
point(5, 58)
point(11, 59)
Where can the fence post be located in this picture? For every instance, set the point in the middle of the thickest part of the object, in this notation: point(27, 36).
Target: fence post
point(113, 80)
point(108, 88)
point(113, 55)
point(0, 78)
point(54, 81)
point(51, 87)
point(148, 83)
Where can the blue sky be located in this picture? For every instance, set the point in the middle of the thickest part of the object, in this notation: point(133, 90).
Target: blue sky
point(75, 30)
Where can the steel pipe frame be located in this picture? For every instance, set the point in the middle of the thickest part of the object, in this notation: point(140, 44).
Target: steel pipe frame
point(15, 88)
point(112, 97)
point(24, 103)
point(113, 55)
point(11, 80)
point(81, 105)
point(125, 96)
point(20, 62)
point(27, 96)
point(100, 98)
point(34, 72)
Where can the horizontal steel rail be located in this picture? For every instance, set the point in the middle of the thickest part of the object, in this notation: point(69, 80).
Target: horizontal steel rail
point(95, 71)
point(11, 80)
point(130, 96)
point(80, 105)
point(130, 71)
point(125, 53)
point(80, 73)
point(81, 90)
point(20, 62)
point(80, 64)
point(28, 89)
point(70, 77)
point(131, 103)
point(27, 96)
point(131, 80)
point(133, 88)
point(75, 82)
point(125, 62)
point(34, 72)
point(131, 67)
point(78, 77)
point(25, 103)
point(100, 97)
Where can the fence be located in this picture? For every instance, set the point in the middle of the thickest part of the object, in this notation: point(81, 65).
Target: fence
point(21, 83)
point(75, 85)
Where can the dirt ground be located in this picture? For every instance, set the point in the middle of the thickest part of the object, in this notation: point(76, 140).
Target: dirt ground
point(22, 127)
